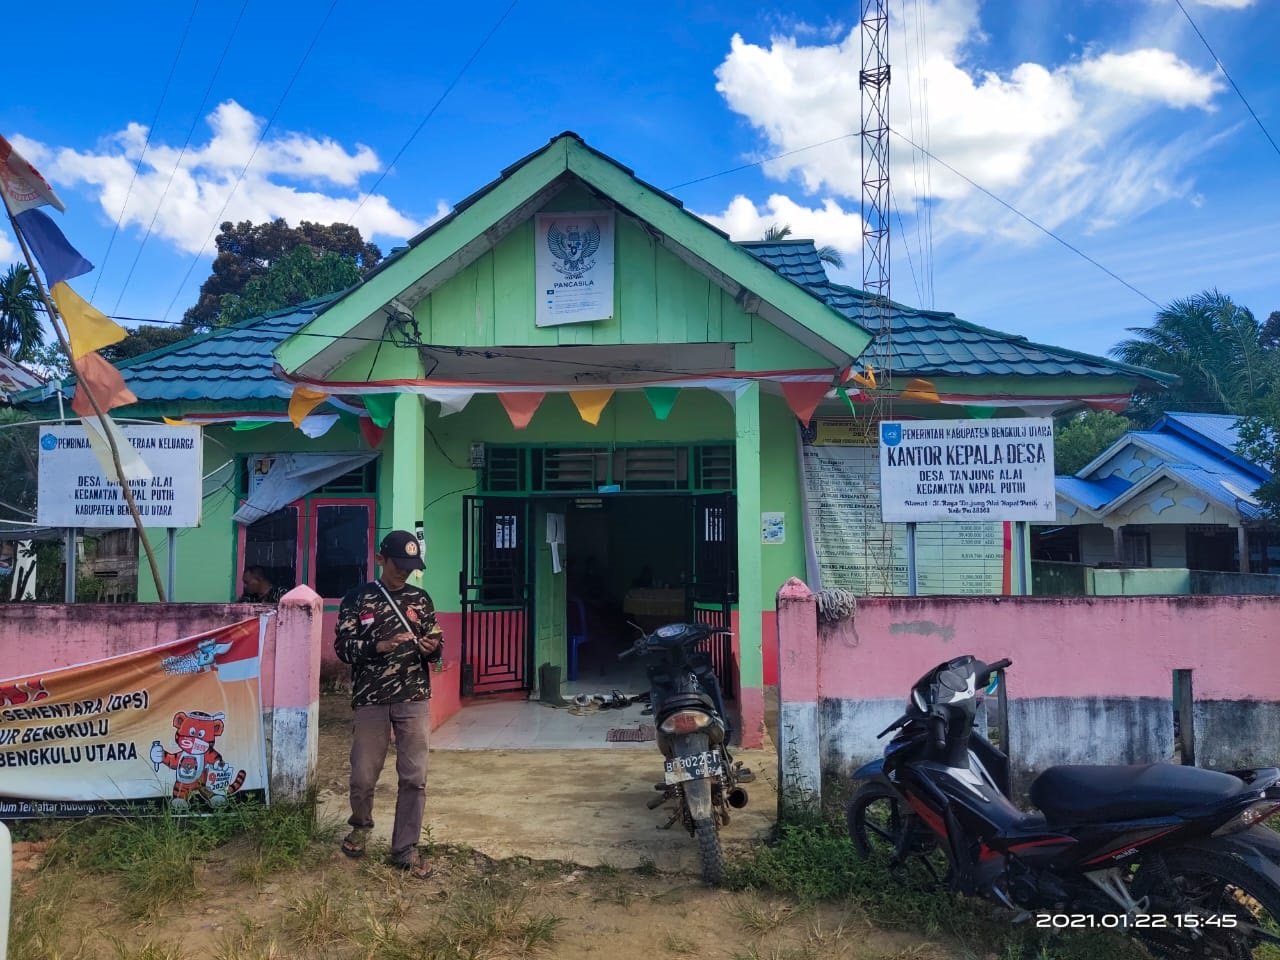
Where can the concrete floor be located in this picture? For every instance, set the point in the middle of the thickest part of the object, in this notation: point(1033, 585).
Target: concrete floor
point(529, 725)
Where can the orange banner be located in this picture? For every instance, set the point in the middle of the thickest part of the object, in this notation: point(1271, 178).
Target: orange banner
point(178, 725)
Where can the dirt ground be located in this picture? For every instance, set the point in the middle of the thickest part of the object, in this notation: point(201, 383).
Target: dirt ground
point(586, 807)
point(552, 855)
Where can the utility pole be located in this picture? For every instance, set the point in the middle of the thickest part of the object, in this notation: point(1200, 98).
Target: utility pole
point(873, 85)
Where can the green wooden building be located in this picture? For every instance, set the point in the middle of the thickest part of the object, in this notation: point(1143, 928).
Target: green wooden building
point(574, 454)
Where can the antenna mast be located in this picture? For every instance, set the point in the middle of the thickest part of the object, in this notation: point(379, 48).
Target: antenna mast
point(873, 84)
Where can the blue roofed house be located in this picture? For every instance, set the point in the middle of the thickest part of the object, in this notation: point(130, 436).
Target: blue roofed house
point(1175, 496)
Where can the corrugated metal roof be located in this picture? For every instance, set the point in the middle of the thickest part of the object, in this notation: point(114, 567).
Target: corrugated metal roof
point(1091, 493)
point(933, 343)
point(1204, 470)
point(1221, 429)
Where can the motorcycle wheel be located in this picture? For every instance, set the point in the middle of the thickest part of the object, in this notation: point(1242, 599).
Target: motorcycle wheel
point(876, 823)
point(1203, 884)
point(707, 833)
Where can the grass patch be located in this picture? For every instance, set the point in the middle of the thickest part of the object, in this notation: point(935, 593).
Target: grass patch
point(490, 921)
point(814, 861)
point(155, 858)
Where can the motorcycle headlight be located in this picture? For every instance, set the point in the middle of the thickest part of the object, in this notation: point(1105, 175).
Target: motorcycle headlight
point(1251, 815)
point(686, 721)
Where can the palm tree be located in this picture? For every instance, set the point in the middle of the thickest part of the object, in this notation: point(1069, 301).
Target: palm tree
point(826, 253)
point(1212, 344)
point(20, 330)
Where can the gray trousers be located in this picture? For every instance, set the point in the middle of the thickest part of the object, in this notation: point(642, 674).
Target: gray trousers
point(369, 741)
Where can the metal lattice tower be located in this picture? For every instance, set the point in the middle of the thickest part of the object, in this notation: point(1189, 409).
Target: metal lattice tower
point(873, 84)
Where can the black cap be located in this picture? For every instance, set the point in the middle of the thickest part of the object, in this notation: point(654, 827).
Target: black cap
point(402, 547)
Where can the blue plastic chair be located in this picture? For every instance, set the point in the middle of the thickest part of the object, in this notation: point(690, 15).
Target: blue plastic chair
point(577, 635)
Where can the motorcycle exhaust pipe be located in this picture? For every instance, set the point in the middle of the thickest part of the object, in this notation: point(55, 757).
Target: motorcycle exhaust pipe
point(737, 798)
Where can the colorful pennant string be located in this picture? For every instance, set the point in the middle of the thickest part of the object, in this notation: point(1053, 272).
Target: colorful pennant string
point(591, 403)
point(521, 407)
point(662, 399)
point(303, 401)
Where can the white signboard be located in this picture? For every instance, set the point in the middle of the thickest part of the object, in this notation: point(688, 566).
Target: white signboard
point(573, 267)
point(73, 491)
point(967, 470)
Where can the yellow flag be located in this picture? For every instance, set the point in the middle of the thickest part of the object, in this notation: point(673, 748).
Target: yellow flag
point(303, 401)
point(591, 403)
point(89, 328)
point(867, 380)
point(922, 390)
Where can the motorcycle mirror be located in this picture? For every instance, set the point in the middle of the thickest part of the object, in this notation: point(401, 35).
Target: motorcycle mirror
point(639, 628)
point(994, 685)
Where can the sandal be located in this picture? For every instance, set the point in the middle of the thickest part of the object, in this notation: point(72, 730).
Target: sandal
point(415, 867)
point(354, 842)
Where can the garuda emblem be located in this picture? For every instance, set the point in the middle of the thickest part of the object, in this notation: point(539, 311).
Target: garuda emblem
point(573, 248)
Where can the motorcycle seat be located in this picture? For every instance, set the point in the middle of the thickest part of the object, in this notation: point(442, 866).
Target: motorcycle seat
point(685, 701)
point(1090, 794)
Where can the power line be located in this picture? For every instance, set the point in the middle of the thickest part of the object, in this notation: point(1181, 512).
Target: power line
point(1045, 230)
point(261, 137)
point(146, 143)
point(183, 152)
point(434, 107)
point(1234, 86)
point(763, 160)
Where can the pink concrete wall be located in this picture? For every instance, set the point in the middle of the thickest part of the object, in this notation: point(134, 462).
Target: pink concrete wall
point(1060, 646)
point(36, 637)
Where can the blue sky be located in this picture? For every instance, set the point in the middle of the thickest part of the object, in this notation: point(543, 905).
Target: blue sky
point(1106, 120)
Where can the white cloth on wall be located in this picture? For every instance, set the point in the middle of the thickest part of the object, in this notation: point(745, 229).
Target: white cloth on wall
point(294, 475)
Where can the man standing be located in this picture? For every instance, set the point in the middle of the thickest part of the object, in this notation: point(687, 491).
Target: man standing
point(387, 631)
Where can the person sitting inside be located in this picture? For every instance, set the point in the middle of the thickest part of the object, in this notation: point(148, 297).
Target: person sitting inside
point(258, 588)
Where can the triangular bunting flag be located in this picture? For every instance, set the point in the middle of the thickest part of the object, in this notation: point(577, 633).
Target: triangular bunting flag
point(920, 390)
point(591, 403)
point(371, 432)
point(104, 380)
point(132, 464)
point(319, 424)
point(381, 407)
point(980, 413)
point(242, 425)
point(303, 401)
point(88, 328)
point(58, 258)
point(661, 399)
point(865, 380)
point(844, 395)
point(803, 398)
point(521, 407)
point(178, 423)
point(455, 404)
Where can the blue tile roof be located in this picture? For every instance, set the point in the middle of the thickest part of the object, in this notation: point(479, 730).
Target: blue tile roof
point(929, 343)
point(232, 363)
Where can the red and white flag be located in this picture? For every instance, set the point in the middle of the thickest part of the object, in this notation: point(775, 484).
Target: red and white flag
point(21, 183)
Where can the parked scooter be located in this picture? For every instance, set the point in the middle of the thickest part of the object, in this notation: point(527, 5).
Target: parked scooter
point(1175, 856)
point(693, 734)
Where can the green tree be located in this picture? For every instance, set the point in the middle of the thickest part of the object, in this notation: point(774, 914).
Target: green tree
point(20, 330)
point(1213, 345)
point(826, 253)
point(247, 250)
point(299, 275)
point(1082, 438)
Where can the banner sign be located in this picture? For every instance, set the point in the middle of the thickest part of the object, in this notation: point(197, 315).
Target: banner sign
point(573, 267)
point(855, 550)
point(967, 470)
point(177, 725)
point(74, 492)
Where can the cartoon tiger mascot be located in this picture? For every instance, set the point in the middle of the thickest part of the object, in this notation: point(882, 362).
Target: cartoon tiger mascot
point(199, 768)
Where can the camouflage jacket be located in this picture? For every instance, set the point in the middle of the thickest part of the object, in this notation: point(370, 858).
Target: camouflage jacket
point(365, 618)
point(274, 595)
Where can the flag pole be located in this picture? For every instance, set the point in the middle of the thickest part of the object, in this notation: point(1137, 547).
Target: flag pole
point(93, 401)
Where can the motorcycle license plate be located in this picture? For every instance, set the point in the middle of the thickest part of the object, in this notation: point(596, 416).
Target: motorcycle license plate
point(700, 766)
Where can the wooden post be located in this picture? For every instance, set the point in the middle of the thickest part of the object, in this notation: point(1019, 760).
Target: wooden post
point(93, 401)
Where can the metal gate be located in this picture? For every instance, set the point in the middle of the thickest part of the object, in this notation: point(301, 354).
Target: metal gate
point(497, 615)
point(715, 579)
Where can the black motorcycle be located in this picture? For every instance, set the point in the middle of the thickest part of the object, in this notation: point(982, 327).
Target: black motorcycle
point(1174, 856)
point(693, 733)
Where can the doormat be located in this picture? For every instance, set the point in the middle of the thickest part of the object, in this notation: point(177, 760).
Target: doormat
point(645, 731)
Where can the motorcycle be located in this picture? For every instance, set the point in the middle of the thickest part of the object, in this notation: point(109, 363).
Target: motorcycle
point(1174, 856)
point(693, 733)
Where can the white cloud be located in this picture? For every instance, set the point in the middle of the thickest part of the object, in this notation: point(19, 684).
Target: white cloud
point(1226, 4)
point(8, 251)
point(829, 224)
point(1055, 140)
point(292, 175)
point(1152, 75)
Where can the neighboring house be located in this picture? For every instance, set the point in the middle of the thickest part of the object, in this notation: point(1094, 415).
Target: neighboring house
point(655, 441)
point(1177, 495)
point(15, 378)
